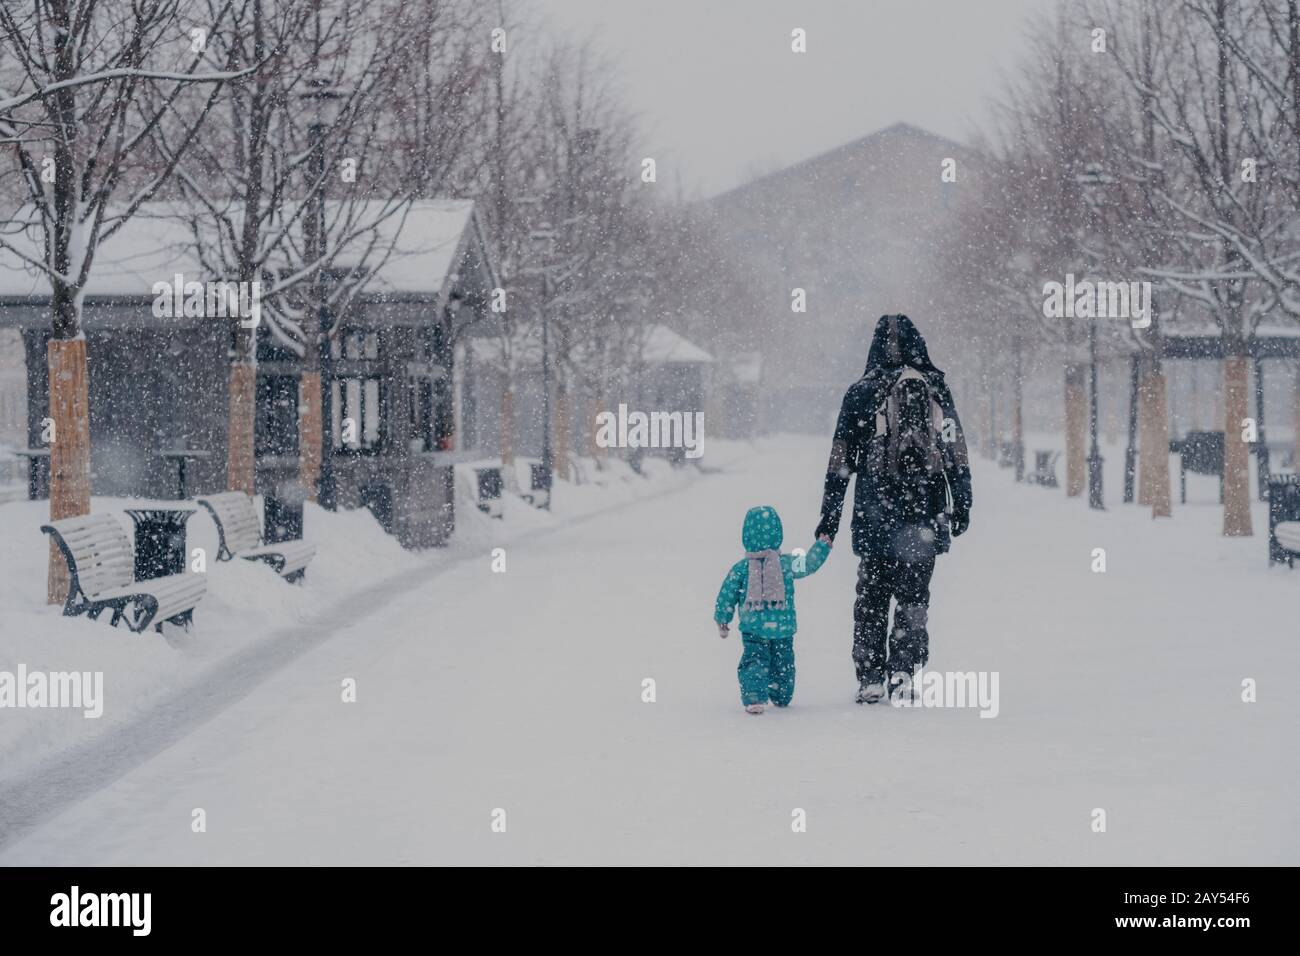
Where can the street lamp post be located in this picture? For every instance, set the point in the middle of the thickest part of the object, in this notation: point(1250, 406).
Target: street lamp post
point(1094, 452)
point(543, 239)
point(323, 100)
point(1092, 177)
point(1017, 413)
point(1130, 450)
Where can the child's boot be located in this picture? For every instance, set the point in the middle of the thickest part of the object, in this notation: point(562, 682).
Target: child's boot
point(754, 709)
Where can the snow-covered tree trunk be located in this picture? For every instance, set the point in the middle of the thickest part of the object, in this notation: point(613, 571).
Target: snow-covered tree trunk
point(1145, 418)
point(240, 448)
point(1156, 390)
point(70, 450)
point(1236, 453)
point(1295, 418)
point(69, 375)
point(1076, 428)
point(587, 424)
point(311, 424)
point(241, 444)
point(81, 104)
point(561, 423)
point(508, 426)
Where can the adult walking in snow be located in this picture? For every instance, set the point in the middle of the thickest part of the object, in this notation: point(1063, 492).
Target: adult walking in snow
point(898, 431)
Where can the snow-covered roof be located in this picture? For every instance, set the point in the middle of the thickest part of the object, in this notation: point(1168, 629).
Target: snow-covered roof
point(1191, 330)
point(663, 346)
point(746, 367)
point(432, 237)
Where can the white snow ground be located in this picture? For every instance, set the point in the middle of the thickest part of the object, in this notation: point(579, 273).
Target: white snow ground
point(522, 691)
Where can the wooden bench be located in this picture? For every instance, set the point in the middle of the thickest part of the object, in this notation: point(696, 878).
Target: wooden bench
point(240, 536)
point(102, 568)
point(1044, 472)
point(1283, 519)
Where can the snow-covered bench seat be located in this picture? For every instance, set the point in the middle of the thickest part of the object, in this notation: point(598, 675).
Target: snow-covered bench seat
point(1283, 519)
point(1288, 536)
point(240, 536)
point(102, 567)
point(1044, 472)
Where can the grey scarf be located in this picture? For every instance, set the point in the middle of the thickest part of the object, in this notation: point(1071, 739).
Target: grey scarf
point(766, 581)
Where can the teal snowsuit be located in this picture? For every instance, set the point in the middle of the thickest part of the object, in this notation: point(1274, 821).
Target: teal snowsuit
point(766, 667)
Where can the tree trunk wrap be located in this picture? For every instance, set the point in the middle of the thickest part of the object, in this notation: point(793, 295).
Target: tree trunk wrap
point(1236, 462)
point(1295, 416)
point(1158, 441)
point(560, 421)
point(507, 427)
point(240, 461)
point(310, 433)
point(1146, 421)
point(1076, 428)
point(70, 450)
point(587, 426)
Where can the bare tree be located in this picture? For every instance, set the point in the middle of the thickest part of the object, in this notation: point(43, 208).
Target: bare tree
point(72, 109)
point(398, 76)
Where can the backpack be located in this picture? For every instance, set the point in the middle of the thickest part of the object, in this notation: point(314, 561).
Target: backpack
point(907, 443)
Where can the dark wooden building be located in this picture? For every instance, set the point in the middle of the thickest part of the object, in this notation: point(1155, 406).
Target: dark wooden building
point(159, 385)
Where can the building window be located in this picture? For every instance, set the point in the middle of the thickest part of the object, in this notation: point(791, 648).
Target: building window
point(438, 418)
point(421, 404)
point(358, 395)
point(444, 428)
point(358, 412)
point(356, 345)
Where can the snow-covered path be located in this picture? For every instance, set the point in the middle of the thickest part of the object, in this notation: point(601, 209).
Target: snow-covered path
point(522, 691)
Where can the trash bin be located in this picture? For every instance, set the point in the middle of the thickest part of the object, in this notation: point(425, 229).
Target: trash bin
point(159, 541)
point(282, 513)
point(540, 484)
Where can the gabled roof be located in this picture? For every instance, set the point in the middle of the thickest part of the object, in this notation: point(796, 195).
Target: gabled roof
point(663, 346)
point(806, 169)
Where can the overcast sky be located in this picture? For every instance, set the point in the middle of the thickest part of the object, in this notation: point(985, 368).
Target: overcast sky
point(724, 98)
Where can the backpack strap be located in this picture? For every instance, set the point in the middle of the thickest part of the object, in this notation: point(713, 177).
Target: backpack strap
point(887, 421)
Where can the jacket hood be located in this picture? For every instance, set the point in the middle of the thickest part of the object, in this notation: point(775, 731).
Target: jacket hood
point(898, 342)
point(762, 530)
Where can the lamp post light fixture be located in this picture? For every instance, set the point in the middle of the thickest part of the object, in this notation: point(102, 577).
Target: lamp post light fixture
point(1094, 452)
point(324, 102)
point(1092, 177)
point(1018, 411)
point(542, 240)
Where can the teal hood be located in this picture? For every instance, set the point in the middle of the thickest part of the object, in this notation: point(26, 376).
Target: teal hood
point(762, 530)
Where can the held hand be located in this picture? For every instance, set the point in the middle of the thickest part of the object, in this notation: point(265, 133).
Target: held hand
point(723, 631)
point(825, 539)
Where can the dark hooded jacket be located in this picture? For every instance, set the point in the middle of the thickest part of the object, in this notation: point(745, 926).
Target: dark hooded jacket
point(890, 519)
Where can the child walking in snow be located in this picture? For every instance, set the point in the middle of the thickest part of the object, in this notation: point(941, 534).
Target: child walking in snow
point(762, 583)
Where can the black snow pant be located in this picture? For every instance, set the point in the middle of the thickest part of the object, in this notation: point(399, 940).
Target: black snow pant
point(876, 652)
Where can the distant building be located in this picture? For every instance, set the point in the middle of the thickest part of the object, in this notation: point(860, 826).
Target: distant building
point(861, 230)
point(159, 384)
point(676, 373)
point(672, 375)
point(736, 407)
